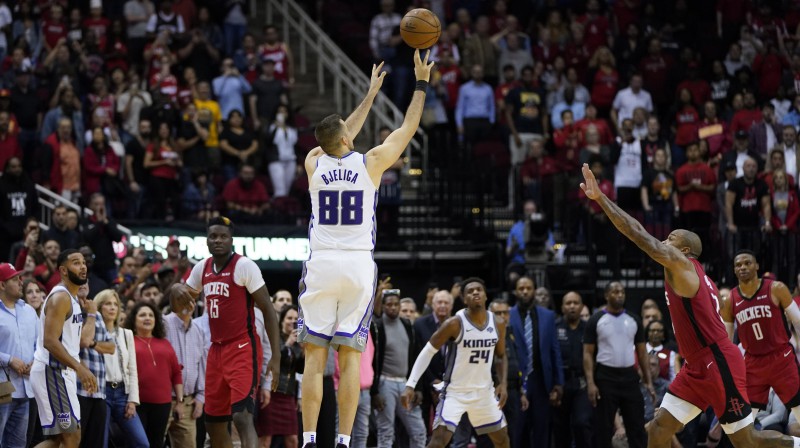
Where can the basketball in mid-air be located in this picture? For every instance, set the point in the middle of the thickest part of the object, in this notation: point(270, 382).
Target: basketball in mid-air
point(420, 28)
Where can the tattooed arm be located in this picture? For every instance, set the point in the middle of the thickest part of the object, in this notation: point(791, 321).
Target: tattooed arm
point(674, 261)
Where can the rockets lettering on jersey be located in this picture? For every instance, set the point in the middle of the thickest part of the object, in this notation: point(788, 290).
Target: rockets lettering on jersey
point(216, 289)
point(754, 312)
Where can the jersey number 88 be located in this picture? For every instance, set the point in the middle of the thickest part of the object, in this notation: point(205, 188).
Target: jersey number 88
point(347, 210)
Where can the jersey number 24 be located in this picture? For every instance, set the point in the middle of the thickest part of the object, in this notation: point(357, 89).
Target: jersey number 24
point(345, 207)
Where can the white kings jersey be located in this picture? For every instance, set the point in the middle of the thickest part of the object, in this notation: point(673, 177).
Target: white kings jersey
point(70, 335)
point(469, 358)
point(343, 200)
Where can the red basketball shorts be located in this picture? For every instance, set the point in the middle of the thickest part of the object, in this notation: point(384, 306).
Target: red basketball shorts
point(232, 376)
point(778, 370)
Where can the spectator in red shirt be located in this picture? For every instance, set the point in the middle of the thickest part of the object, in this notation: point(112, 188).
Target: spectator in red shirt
point(686, 121)
point(744, 118)
point(246, 197)
point(696, 183)
point(597, 28)
point(163, 161)
point(159, 372)
point(567, 141)
point(590, 119)
point(700, 89)
point(47, 272)
point(510, 82)
point(164, 81)
point(117, 48)
point(768, 68)
point(451, 78)
point(715, 132)
point(9, 146)
point(100, 166)
point(537, 174)
point(604, 80)
point(97, 24)
point(655, 68)
point(54, 27)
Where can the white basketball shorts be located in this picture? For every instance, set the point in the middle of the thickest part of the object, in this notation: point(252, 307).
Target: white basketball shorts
point(56, 393)
point(336, 293)
point(480, 405)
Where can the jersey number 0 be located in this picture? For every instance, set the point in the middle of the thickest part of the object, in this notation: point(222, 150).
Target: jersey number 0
point(345, 208)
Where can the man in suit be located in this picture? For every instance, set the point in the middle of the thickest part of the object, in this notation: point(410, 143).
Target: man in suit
point(741, 151)
point(424, 327)
point(539, 354)
point(767, 133)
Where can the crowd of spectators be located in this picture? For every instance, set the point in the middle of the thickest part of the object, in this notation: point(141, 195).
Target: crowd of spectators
point(155, 104)
point(686, 110)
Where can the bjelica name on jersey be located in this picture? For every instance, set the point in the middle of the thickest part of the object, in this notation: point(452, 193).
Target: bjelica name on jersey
point(340, 174)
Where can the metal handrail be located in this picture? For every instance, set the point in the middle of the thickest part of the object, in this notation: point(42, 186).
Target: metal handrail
point(48, 200)
point(334, 66)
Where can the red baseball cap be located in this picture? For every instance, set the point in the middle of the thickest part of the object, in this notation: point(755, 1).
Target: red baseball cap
point(173, 240)
point(7, 272)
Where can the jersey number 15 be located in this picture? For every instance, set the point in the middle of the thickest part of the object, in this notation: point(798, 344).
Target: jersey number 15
point(346, 208)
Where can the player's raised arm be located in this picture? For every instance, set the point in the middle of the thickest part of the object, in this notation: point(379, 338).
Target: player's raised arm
point(380, 158)
point(356, 119)
point(665, 255)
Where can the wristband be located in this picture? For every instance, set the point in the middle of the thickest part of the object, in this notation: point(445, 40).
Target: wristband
point(422, 85)
point(91, 315)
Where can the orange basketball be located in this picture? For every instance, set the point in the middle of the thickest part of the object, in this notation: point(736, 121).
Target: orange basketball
point(420, 28)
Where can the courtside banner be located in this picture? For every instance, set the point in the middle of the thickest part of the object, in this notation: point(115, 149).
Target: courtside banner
point(279, 249)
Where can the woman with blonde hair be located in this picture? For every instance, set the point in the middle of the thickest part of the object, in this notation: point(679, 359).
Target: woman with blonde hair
point(122, 379)
point(605, 80)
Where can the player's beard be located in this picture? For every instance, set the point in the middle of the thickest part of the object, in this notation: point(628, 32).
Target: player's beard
point(75, 278)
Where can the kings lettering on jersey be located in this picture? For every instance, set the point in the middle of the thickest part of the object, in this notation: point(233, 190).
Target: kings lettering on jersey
point(340, 174)
point(480, 343)
point(754, 312)
point(216, 289)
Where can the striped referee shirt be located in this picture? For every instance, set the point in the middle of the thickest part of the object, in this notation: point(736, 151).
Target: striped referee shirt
point(95, 362)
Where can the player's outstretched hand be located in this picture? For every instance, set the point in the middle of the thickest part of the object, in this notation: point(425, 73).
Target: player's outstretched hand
point(502, 395)
point(422, 69)
point(407, 398)
point(376, 80)
point(589, 184)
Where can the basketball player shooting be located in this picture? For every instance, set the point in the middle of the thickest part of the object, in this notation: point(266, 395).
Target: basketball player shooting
point(339, 278)
point(759, 305)
point(714, 374)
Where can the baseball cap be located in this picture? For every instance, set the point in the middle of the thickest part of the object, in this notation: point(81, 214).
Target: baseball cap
point(173, 240)
point(741, 133)
point(8, 272)
point(729, 165)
